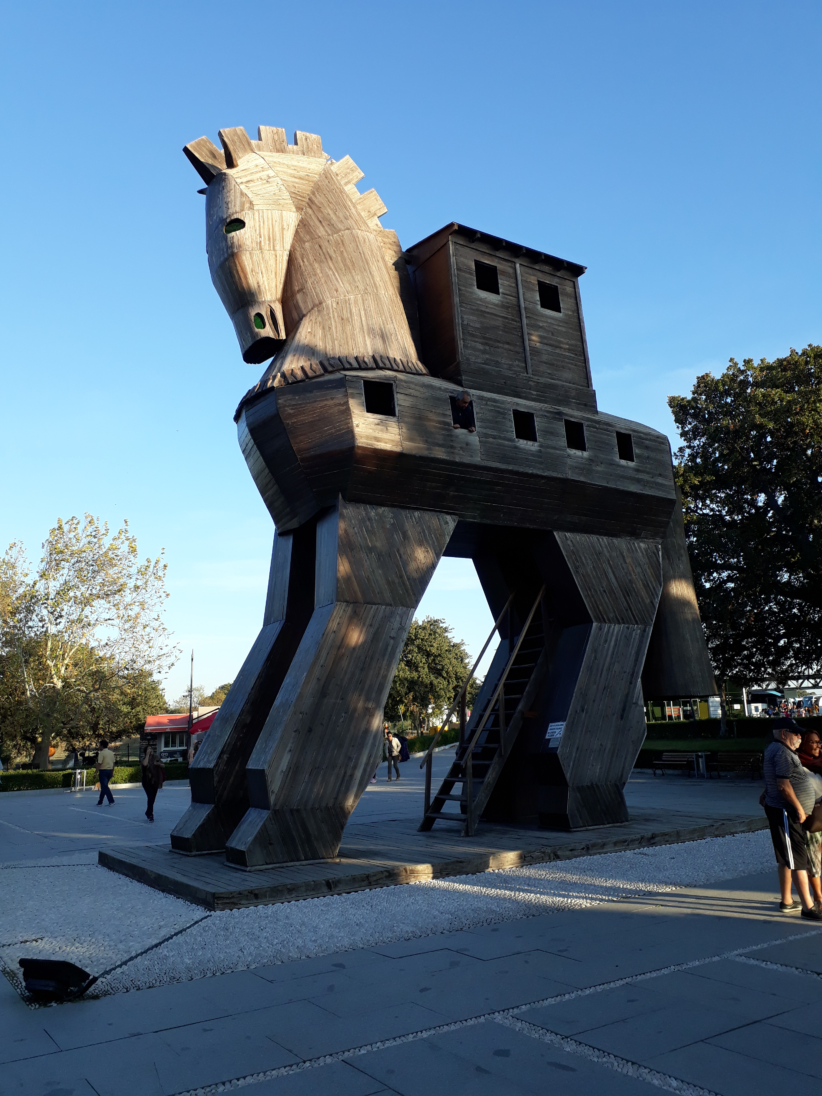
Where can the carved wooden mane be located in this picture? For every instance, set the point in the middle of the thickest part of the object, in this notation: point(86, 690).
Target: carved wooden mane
point(300, 260)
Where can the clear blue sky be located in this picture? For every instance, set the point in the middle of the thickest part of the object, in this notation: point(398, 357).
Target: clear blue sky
point(671, 148)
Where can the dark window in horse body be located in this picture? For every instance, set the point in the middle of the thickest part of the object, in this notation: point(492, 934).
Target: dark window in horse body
point(525, 425)
point(379, 398)
point(625, 446)
point(487, 277)
point(233, 226)
point(575, 435)
point(549, 296)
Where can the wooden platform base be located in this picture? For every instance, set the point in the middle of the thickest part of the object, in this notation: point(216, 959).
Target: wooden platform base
point(384, 854)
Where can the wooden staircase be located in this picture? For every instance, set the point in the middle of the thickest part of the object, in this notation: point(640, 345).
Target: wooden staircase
point(491, 733)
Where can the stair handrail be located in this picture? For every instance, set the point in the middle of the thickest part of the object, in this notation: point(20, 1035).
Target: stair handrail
point(465, 683)
point(490, 705)
point(467, 755)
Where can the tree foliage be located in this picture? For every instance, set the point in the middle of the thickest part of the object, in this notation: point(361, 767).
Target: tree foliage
point(81, 637)
point(201, 699)
point(750, 470)
point(432, 667)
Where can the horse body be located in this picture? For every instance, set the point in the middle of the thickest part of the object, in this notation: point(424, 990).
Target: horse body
point(351, 443)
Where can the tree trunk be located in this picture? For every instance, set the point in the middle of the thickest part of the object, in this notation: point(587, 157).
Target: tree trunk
point(41, 755)
point(723, 716)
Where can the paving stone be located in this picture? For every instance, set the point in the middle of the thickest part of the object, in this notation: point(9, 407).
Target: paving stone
point(488, 1059)
point(310, 1031)
point(748, 1004)
point(802, 954)
point(89, 1022)
point(220, 1050)
point(596, 1009)
point(344, 961)
point(639, 1038)
point(808, 1018)
point(23, 1033)
point(730, 1074)
point(458, 992)
point(796, 988)
point(795, 1050)
point(103, 1070)
point(335, 1079)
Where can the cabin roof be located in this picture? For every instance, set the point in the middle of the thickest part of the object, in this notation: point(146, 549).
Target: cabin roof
point(423, 249)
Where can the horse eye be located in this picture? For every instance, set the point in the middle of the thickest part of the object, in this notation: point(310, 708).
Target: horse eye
point(233, 226)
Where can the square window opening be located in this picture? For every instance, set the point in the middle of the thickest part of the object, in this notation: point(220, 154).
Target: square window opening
point(575, 435)
point(525, 425)
point(487, 277)
point(549, 296)
point(625, 446)
point(379, 398)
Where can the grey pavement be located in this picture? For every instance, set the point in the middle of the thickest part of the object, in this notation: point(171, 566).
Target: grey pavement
point(52, 824)
point(710, 986)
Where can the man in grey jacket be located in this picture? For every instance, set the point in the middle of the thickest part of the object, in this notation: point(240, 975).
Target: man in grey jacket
point(393, 748)
point(789, 798)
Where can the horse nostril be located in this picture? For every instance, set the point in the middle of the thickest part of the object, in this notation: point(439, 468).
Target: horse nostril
point(273, 315)
point(259, 321)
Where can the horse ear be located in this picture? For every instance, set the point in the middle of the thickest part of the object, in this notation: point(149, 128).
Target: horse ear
point(207, 159)
point(236, 143)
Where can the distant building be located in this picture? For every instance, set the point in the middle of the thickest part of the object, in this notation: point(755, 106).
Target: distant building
point(170, 731)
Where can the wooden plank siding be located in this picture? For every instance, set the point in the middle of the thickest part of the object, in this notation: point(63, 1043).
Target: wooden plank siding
point(320, 442)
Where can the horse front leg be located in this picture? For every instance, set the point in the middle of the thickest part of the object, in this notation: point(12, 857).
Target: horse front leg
point(219, 797)
point(322, 738)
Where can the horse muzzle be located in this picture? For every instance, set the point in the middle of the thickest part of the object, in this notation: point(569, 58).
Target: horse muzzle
point(260, 330)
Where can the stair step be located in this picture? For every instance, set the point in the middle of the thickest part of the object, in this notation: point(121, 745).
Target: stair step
point(444, 814)
point(455, 798)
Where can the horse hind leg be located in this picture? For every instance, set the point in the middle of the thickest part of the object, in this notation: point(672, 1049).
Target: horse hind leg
point(316, 751)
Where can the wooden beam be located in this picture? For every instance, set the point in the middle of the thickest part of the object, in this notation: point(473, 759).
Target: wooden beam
point(207, 159)
point(236, 143)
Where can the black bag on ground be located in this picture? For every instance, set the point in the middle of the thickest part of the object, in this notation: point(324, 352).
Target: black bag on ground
point(53, 978)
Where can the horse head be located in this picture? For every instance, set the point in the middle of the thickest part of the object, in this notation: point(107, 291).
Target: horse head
point(299, 258)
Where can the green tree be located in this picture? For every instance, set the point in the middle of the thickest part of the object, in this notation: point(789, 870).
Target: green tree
point(432, 667)
point(200, 698)
point(750, 470)
point(81, 636)
point(219, 694)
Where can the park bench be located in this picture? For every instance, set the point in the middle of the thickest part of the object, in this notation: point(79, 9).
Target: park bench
point(742, 764)
point(675, 762)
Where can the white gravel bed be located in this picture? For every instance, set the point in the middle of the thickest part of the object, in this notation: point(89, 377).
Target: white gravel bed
point(95, 918)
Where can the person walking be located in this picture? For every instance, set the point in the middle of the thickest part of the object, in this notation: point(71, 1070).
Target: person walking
point(153, 778)
point(789, 797)
point(105, 770)
point(392, 753)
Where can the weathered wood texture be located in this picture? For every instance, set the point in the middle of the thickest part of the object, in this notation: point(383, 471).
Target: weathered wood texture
point(308, 443)
point(300, 259)
point(352, 444)
point(219, 793)
point(600, 602)
point(321, 739)
point(678, 664)
point(505, 341)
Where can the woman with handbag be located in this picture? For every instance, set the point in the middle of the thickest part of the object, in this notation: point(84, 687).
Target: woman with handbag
point(153, 778)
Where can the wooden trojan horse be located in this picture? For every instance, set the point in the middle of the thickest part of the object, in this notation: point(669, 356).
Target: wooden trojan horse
point(350, 437)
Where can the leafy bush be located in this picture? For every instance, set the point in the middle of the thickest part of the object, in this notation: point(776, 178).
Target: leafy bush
point(28, 780)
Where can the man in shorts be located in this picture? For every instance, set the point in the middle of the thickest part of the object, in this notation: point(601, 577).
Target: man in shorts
point(789, 797)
